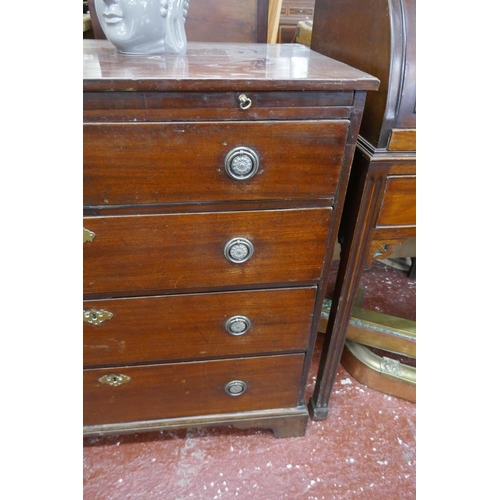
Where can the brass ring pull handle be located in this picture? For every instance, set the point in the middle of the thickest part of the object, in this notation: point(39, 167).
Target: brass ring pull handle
point(236, 387)
point(238, 250)
point(114, 380)
point(244, 101)
point(241, 163)
point(238, 325)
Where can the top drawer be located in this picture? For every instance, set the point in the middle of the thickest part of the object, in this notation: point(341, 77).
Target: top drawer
point(108, 107)
point(162, 163)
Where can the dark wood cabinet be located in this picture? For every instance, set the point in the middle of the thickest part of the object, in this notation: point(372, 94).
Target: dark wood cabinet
point(377, 36)
point(213, 188)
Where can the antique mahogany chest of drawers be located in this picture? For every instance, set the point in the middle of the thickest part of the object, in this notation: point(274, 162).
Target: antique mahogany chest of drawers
point(213, 186)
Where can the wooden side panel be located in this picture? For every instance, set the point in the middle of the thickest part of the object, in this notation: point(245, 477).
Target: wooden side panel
point(358, 33)
point(407, 112)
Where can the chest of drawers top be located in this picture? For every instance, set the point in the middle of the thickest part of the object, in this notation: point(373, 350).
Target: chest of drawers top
point(219, 67)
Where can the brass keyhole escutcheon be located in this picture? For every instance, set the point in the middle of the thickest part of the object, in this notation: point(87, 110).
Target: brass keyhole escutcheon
point(114, 380)
point(96, 317)
point(88, 236)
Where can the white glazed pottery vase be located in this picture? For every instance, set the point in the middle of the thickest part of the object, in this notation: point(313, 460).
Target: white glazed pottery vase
point(144, 26)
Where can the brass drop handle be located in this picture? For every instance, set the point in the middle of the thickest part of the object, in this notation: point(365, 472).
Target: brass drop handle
point(245, 102)
point(236, 387)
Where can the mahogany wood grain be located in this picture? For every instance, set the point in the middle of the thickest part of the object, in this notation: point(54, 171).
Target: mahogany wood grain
point(180, 327)
point(215, 206)
point(284, 422)
point(176, 162)
point(219, 67)
point(376, 36)
point(399, 203)
point(403, 140)
point(156, 253)
point(181, 389)
point(406, 116)
point(199, 106)
point(402, 166)
point(335, 36)
point(382, 249)
point(216, 114)
point(401, 233)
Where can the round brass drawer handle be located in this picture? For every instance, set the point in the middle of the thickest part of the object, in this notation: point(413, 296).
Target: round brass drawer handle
point(236, 387)
point(241, 163)
point(238, 250)
point(238, 325)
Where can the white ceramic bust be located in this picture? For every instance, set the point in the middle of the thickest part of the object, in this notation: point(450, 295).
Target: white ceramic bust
point(144, 26)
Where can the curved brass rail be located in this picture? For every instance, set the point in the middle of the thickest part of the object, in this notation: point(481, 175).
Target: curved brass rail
point(379, 372)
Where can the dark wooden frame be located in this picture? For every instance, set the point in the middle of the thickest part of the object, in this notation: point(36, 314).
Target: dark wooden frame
point(376, 36)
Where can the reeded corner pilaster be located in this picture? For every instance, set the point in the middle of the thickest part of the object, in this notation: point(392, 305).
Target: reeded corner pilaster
point(317, 413)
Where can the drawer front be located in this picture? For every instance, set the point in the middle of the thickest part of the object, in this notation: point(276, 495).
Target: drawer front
point(164, 253)
point(146, 163)
point(112, 107)
point(399, 206)
point(179, 327)
point(190, 389)
point(403, 140)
